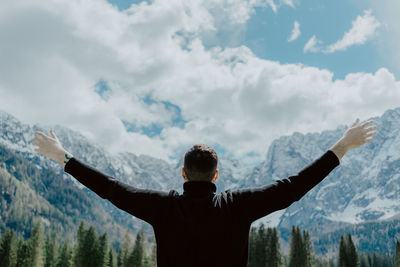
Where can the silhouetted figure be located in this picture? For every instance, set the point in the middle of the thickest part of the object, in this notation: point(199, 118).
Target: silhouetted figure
point(200, 227)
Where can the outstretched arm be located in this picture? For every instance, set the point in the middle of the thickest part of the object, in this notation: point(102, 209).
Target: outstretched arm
point(145, 204)
point(254, 203)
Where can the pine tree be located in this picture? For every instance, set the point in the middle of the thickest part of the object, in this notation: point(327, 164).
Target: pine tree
point(50, 251)
point(8, 249)
point(348, 256)
point(149, 259)
point(303, 249)
point(267, 247)
point(90, 245)
point(309, 250)
point(261, 246)
point(23, 254)
point(153, 254)
point(274, 256)
point(64, 256)
point(102, 250)
point(36, 246)
point(251, 262)
point(293, 247)
point(111, 258)
point(352, 253)
point(298, 252)
point(342, 252)
point(397, 254)
point(123, 253)
point(78, 257)
point(137, 255)
point(120, 258)
point(370, 260)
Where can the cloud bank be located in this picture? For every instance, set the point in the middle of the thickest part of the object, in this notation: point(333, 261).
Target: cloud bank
point(142, 81)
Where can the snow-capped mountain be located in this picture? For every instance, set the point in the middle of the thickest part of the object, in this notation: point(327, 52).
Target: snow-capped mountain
point(365, 186)
point(142, 171)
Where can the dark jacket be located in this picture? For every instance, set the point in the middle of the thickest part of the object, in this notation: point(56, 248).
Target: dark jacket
point(200, 227)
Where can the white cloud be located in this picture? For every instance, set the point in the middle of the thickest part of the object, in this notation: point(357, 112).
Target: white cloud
point(288, 2)
point(363, 29)
point(295, 32)
point(227, 96)
point(312, 45)
point(387, 13)
point(273, 5)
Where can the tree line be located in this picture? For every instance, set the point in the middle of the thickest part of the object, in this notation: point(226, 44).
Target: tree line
point(89, 249)
point(265, 251)
point(94, 250)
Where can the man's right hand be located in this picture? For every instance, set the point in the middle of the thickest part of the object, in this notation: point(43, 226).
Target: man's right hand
point(355, 136)
point(51, 147)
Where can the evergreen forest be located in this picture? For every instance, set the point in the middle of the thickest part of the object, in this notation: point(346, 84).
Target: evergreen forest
point(91, 248)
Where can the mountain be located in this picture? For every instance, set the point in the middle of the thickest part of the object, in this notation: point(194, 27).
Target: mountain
point(364, 188)
point(28, 194)
point(52, 191)
point(142, 171)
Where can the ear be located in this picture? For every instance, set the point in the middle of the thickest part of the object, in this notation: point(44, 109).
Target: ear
point(215, 176)
point(184, 174)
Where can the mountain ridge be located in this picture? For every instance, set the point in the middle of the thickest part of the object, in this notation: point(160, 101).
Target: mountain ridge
point(364, 187)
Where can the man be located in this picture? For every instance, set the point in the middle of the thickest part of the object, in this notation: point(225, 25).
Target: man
point(200, 227)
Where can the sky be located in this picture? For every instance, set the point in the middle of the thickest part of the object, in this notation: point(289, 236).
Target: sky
point(156, 77)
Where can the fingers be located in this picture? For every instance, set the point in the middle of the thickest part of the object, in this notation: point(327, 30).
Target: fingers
point(40, 134)
point(370, 128)
point(371, 134)
point(355, 123)
point(53, 134)
point(366, 123)
point(44, 136)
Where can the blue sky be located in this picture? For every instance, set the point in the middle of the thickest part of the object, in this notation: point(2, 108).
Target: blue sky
point(156, 77)
point(266, 34)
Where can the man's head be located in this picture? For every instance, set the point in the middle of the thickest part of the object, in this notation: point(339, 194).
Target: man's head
point(200, 164)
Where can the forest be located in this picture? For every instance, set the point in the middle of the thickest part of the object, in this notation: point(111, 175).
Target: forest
point(90, 248)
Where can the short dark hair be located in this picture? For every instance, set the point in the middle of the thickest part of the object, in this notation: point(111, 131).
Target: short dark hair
point(200, 163)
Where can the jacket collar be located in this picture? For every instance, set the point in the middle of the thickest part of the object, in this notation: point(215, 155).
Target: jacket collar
point(198, 188)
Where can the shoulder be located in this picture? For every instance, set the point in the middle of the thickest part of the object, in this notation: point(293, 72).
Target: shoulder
point(173, 193)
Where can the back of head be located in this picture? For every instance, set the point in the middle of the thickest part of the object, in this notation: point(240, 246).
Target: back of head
point(200, 163)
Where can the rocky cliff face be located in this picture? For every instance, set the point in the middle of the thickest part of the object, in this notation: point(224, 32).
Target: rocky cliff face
point(365, 186)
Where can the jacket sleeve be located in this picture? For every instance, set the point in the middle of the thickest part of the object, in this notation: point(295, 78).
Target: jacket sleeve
point(145, 204)
point(254, 203)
